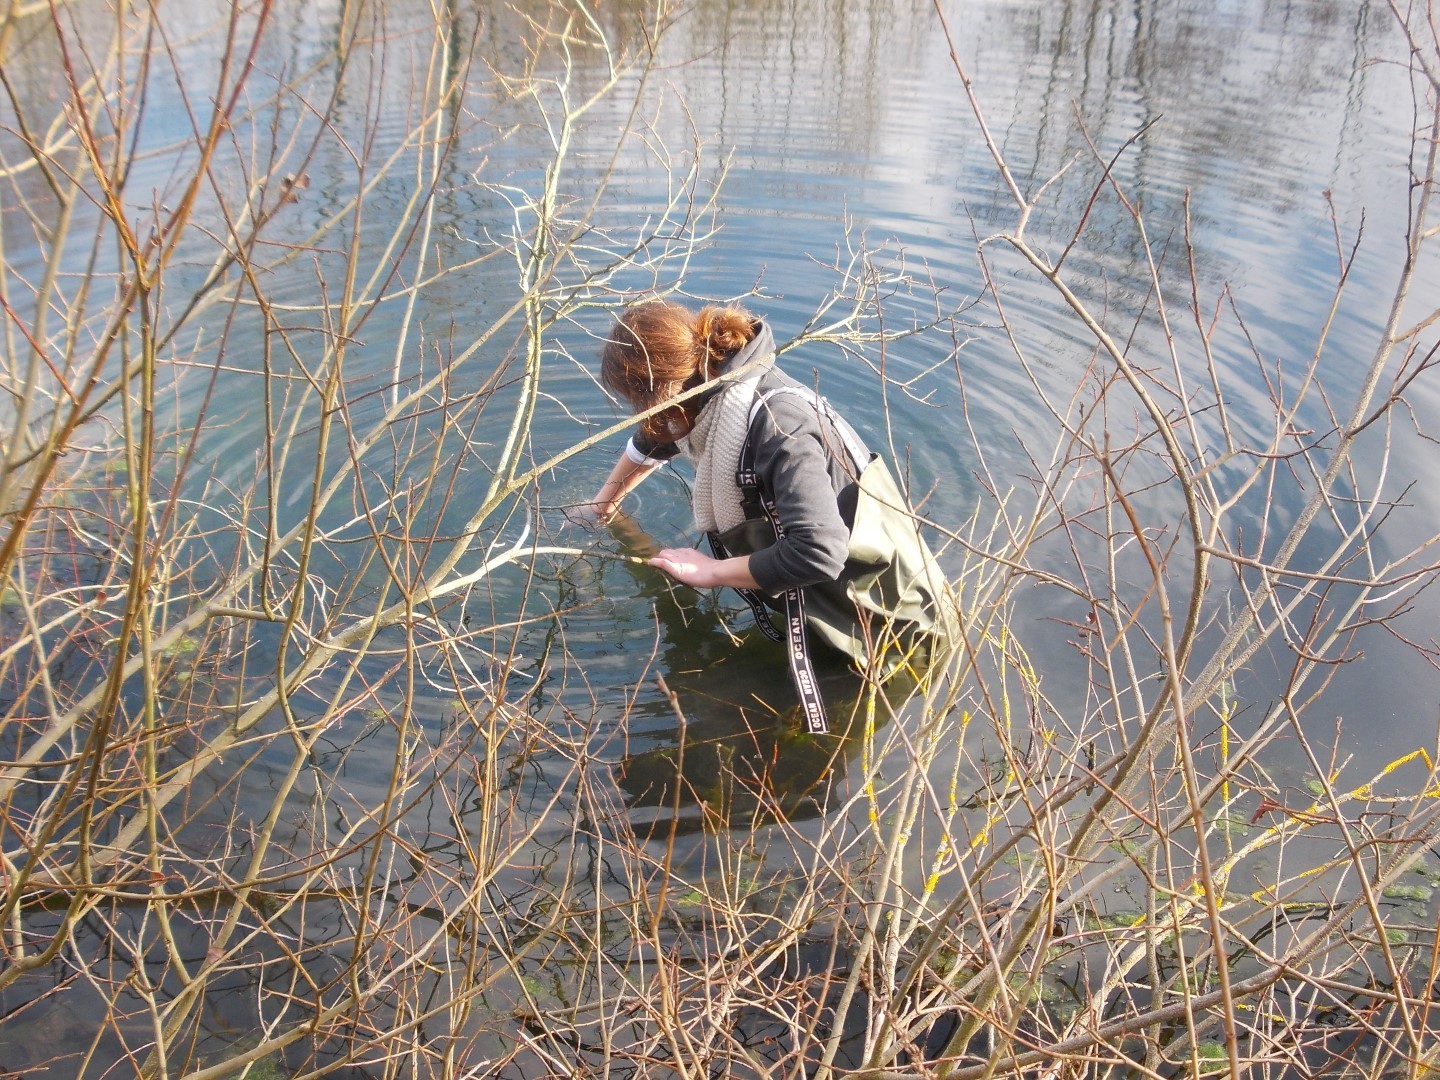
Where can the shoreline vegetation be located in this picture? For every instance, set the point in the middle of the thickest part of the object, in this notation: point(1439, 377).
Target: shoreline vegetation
point(280, 798)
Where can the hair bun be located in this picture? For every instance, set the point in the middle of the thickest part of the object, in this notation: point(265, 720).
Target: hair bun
point(723, 331)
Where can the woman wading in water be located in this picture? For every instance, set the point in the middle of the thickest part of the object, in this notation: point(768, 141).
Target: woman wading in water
point(800, 516)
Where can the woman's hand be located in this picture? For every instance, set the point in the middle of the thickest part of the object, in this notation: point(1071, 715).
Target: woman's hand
point(700, 571)
point(601, 510)
point(626, 475)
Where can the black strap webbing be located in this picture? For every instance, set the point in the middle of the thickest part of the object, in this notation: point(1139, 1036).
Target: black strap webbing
point(797, 647)
point(750, 596)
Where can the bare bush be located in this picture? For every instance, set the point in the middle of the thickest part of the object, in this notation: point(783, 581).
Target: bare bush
point(267, 730)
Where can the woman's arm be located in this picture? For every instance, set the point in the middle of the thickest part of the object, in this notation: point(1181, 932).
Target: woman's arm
point(700, 571)
point(793, 463)
point(625, 477)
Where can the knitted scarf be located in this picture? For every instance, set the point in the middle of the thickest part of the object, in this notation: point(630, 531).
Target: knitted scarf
point(714, 445)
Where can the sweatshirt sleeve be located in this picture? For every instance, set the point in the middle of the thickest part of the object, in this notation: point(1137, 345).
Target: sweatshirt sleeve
point(646, 451)
point(792, 465)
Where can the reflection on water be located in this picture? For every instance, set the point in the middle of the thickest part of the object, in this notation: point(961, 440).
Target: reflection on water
point(738, 754)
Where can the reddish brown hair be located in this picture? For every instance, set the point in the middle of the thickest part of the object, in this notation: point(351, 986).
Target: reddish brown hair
point(658, 349)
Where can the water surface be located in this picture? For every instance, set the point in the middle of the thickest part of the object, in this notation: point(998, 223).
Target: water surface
point(1269, 129)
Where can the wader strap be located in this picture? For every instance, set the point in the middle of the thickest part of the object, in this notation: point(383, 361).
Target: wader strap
point(854, 445)
point(750, 596)
point(797, 646)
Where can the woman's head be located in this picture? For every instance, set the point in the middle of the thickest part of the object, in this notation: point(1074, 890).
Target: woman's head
point(658, 349)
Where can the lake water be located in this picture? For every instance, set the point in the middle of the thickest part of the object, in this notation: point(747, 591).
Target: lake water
point(818, 127)
point(1278, 121)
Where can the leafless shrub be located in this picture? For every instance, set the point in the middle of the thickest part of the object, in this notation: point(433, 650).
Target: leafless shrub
point(175, 642)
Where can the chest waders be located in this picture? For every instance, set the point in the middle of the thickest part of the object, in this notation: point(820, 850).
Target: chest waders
point(890, 576)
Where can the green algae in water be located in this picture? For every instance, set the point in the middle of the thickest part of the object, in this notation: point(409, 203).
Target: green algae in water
point(269, 1069)
point(1025, 860)
point(1422, 868)
point(1230, 824)
point(182, 647)
point(1213, 1057)
point(1129, 846)
point(1419, 893)
point(1113, 920)
point(1122, 920)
